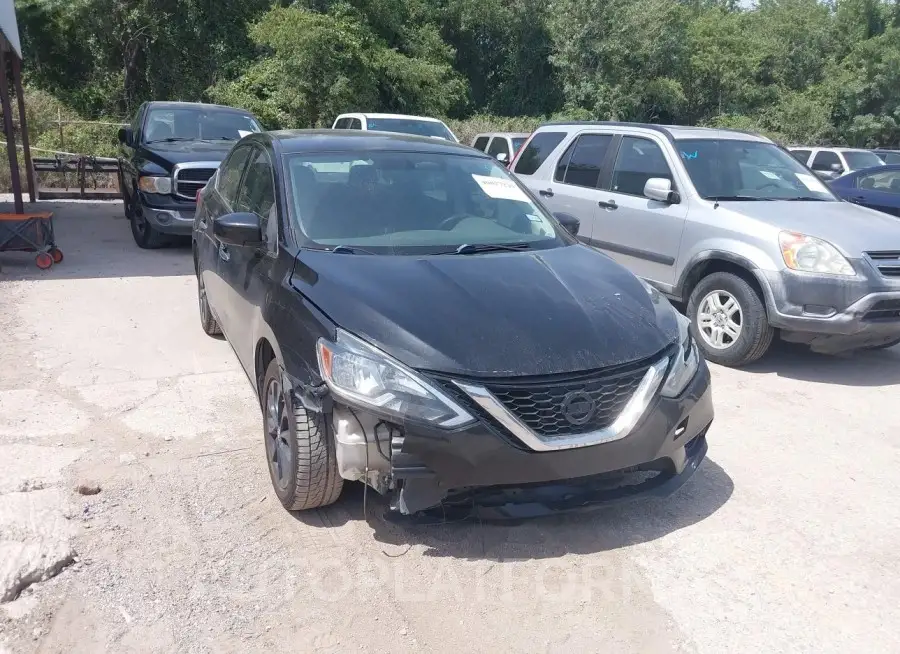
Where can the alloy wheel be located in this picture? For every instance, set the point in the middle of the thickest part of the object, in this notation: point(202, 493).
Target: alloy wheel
point(720, 320)
point(278, 435)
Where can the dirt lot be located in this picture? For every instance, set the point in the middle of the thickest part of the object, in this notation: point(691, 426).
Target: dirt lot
point(785, 540)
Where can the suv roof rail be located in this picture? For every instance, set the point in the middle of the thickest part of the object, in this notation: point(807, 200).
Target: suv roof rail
point(662, 129)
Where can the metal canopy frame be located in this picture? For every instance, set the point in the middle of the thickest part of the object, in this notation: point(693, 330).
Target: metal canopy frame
point(11, 67)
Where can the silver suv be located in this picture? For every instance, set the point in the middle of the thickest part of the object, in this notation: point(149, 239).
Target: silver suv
point(729, 224)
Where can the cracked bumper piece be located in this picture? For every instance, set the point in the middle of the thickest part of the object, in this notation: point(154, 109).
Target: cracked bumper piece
point(483, 470)
point(834, 315)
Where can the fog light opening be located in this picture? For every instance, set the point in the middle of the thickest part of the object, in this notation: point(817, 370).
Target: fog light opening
point(681, 428)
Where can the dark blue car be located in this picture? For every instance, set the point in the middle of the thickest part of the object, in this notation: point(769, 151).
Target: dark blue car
point(876, 188)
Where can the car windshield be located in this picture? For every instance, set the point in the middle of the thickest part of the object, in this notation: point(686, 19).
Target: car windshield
point(410, 126)
point(398, 203)
point(860, 160)
point(728, 169)
point(195, 124)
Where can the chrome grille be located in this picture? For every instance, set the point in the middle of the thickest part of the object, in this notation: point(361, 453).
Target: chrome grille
point(190, 178)
point(886, 261)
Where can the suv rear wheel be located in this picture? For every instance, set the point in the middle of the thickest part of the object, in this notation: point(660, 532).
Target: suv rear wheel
point(299, 449)
point(729, 320)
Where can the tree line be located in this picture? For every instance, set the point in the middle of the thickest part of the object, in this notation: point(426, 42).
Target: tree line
point(803, 71)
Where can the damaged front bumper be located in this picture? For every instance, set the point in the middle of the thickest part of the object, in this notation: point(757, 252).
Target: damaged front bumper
point(483, 470)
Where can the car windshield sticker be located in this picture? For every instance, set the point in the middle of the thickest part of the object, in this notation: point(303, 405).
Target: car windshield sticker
point(812, 183)
point(499, 188)
point(689, 155)
point(768, 174)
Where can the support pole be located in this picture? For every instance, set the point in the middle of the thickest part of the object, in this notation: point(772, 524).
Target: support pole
point(10, 134)
point(23, 126)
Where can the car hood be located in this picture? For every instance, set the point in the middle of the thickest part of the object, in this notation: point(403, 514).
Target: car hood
point(500, 314)
point(169, 154)
point(850, 228)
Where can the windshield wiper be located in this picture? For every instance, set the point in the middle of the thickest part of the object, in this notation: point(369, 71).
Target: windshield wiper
point(805, 198)
point(736, 198)
point(341, 249)
point(171, 139)
point(475, 248)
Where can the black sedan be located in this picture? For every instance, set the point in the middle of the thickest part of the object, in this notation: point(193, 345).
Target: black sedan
point(412, 318)
point(876, 188)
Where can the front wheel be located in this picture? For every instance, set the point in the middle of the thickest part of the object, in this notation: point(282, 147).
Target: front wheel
point(207, 320)
point(145, 235)
point(729, 320)
point(300, 449)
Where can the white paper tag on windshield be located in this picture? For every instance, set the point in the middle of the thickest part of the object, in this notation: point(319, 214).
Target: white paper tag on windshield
point(499, 188)
point(244, 133)
point(768, 174)
point(812, 183)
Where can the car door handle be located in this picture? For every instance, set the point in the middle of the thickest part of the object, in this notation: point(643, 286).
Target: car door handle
point(547, 193)
point(608, 205)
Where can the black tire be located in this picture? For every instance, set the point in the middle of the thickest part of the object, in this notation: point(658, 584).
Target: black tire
point(755, 335)
point(145, 235)
point(306, 476)
point(884, 346)
point(207, 319)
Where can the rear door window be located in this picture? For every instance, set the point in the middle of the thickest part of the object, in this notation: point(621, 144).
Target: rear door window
point(583, 161)
point(801, 155)
point(355, 123)
point(499, 146)
point(638, 160)
point(481, 143)
point(537, 151)
point(825, 159)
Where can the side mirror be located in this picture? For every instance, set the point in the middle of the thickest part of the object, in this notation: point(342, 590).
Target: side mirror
point(502, 157)
point(660, 189)
point(125, 135)
point(837, 168)
point(238, 229)
point(569, 222)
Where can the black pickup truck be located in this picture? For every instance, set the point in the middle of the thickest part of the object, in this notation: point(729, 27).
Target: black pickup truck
point(168, 153)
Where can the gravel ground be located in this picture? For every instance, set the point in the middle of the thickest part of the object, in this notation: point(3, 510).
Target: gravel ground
point(784, 541)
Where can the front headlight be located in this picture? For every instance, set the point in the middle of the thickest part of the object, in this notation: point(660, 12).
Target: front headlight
point(811, 254)
point(685, 362)
point(359, 372)
point(153, 184)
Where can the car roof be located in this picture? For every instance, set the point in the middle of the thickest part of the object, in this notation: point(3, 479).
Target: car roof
point(827, 147)
point(673, 132)
point(155, 104)
point(509, 134)
point(403, 116)
point(347, 140)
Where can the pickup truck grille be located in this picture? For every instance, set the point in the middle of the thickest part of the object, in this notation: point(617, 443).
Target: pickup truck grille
point(190, 180)
point(887, 262)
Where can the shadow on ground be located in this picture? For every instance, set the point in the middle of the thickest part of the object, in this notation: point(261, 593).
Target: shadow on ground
point(606, 528)
point(869, 368)
point(96, 243)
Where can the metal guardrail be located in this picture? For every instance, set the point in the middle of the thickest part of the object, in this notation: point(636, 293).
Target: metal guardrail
point(84, 168)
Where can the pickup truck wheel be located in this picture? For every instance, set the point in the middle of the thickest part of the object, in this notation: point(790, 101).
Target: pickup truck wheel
point(729, 320)
point(299, 449)
point(145, 235)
